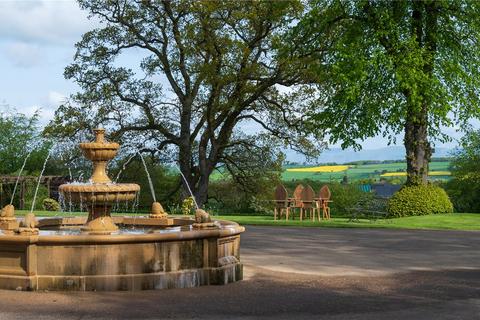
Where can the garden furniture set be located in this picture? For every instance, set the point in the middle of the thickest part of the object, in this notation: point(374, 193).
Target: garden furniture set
point(303, 201)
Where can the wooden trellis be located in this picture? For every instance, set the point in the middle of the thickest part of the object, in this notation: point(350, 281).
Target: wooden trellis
point(51, 182)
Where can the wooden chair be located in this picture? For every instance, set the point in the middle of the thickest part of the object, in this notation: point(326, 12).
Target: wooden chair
point(322, 203)
point(296, 202)
point(281, 202)
point(308, 205)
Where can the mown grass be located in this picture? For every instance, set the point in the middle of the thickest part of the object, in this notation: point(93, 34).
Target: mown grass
point(455, 221)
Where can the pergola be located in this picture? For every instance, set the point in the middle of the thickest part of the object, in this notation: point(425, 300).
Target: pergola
point(51, 182)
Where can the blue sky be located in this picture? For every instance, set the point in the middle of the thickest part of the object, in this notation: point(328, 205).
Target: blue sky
point(36, 43)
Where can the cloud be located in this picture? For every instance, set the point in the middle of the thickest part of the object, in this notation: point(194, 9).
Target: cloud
point(46, 109)
point(55, 99)
point(23, 55)
point(53, 22)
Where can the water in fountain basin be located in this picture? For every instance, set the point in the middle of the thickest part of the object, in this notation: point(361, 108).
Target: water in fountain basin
point(19, 174)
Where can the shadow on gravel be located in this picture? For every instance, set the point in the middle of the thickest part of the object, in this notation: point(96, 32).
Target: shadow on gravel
point(260, 296)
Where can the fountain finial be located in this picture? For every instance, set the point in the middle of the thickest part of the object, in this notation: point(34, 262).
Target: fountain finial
point(99, 135)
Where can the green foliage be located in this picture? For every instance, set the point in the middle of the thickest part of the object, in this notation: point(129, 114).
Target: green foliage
point(166, 181)
point(30, 193)
point(50, 204)
point(378, 69)
point(188, 205)
point(345, 197)
point(419, 200)
point(227, 195)
point(388, 67)
point(464, 188)
point(19, 135)
point(205, 69)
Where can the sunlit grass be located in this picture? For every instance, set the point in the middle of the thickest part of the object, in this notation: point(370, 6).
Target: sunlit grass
point(454, 221)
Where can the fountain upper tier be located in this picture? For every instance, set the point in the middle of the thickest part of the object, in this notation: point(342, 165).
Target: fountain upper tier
point(101, 192)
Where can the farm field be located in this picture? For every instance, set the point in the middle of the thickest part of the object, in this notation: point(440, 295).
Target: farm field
point(439, 170)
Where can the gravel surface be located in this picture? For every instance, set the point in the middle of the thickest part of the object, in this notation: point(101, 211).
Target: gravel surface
point(302, 273)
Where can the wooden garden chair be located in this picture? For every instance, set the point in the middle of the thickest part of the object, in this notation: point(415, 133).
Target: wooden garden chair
point(322, 202)
point(296, 202)
point(308, 204)
point(281, 202)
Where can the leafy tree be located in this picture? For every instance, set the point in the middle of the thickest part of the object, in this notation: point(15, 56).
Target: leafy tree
point(205, 71)
point(20, 138)
point(464, 188)
point(390, 67)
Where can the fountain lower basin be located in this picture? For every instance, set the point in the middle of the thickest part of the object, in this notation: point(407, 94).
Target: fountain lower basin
point(152, 258)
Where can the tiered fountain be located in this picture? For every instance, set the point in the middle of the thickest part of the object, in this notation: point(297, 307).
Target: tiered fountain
point(102, 252)
point(100, 193)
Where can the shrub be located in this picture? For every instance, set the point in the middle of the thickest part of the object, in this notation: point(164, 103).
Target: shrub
point(464, 193)
point(464, 188)
point(419, 200)
point(50, 204)
point(188, 205)
point(345, 197)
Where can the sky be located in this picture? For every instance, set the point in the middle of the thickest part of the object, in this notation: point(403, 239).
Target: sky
point(37, 41)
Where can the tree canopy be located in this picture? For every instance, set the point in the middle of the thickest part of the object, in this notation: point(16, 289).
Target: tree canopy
point(20, 138)
point(387, 67)
point(205, 72)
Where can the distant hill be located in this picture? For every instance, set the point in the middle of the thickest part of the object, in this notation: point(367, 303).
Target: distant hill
point(338, 155)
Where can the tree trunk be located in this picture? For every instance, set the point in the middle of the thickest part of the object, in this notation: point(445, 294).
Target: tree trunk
point(418, 149)
point(184, 160)
point(201, 194)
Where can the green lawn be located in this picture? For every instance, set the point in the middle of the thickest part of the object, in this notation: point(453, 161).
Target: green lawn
point(455, 221)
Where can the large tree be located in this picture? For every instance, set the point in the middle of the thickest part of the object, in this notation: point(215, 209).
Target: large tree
point(391, 67)
point(189, 77)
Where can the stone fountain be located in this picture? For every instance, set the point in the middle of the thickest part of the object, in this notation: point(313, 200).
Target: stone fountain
point(101, 252)
point(100, 193)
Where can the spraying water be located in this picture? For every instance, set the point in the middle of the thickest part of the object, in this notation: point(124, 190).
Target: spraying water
point(39, 180)
point(189, 190)
point(19, 174)
point(148, 176)
point(124, 167)
point(186, 183)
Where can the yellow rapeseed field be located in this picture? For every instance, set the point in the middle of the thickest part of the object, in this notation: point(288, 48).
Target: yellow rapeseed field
point(320, 169)
point(402, 174)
